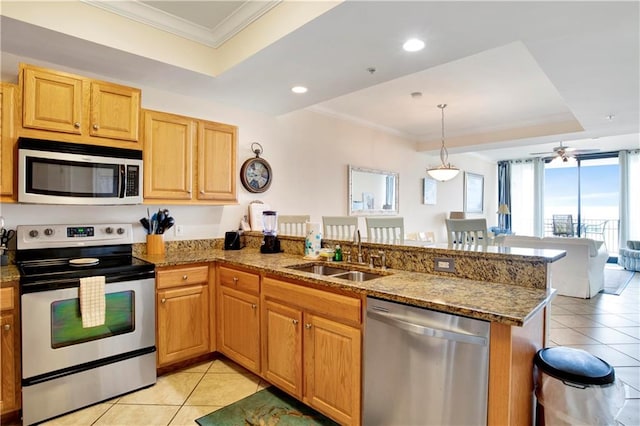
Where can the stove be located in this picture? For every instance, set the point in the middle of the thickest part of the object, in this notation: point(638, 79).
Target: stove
point(67, 365)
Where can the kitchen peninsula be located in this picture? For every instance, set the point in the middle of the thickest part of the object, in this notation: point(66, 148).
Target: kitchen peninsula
point(249, 292)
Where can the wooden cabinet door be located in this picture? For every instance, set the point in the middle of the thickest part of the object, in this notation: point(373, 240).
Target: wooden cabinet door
point(332, 368)
point(115, 111)
point(7, 142)
point(282, 362)
point(9, 397)
point(52, 101)
point(168, 156)
point(216, 161)
point(183, 323)
point(239, 327)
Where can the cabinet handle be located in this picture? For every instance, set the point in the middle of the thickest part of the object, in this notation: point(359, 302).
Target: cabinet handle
point(235, 280)
point(201, 192)
point(185, 276)
point(163, 300)
point(295, 322)
point(7, 327)
point(96, 127)
point(76, 125)
point(253, 306)
point(307, 326)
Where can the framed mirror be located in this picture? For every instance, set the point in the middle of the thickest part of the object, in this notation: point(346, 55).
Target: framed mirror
point(372, 192)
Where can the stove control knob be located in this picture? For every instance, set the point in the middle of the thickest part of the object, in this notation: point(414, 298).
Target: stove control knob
point(33, 233)
point(109, 230)
point(120, 231)
point(48, 232)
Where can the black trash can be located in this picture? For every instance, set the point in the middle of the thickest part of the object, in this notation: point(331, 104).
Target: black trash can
point(574, 387)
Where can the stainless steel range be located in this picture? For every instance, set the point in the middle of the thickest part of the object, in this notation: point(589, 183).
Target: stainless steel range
point(66, 366)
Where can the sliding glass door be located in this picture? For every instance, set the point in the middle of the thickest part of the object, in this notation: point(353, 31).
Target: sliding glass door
point(584, 194)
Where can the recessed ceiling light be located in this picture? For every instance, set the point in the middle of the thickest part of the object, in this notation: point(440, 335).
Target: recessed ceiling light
point(299, 89)
point(413, 45)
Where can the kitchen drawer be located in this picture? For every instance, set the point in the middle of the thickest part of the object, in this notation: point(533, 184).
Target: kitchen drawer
point(328, 304)
point(181, 276)
point(239, 280)
point(6, 298)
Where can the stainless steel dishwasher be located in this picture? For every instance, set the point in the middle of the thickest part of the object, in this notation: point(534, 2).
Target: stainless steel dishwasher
point(423, 367)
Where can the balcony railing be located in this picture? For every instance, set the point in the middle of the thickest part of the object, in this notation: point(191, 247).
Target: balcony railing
point(592, 228)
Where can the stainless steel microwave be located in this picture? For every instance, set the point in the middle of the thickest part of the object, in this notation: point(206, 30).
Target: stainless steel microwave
point(51, 172)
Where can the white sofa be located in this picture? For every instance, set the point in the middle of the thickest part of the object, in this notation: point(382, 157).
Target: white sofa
point(580, 273)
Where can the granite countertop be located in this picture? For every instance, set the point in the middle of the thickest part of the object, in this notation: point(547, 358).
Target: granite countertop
point(9, 273)
point(502, 303)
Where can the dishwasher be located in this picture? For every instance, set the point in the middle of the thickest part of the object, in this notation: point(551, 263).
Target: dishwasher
point(423, 367)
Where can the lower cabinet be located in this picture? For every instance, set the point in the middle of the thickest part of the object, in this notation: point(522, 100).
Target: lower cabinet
point(312, 347)
point(182, 313)
point(9, 350)
point(239, 316)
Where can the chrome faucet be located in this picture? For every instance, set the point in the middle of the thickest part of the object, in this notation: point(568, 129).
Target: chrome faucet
point(357, 240)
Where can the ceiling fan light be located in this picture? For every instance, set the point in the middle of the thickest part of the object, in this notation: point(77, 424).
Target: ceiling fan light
point(443, 173)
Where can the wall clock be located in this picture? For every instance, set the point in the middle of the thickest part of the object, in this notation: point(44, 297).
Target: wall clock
point(256, 173)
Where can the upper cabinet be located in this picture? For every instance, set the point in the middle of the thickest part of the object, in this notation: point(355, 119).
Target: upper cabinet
point(78, 109)
point(8, 178)
point(188, 161)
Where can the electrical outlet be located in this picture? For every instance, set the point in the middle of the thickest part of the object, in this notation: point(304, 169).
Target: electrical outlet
point(444, 264)
point(179, 230)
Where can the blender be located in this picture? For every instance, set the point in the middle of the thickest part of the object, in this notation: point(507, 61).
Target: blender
point(270, 242)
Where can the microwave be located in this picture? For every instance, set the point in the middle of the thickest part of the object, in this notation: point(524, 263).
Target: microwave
point(51, 172)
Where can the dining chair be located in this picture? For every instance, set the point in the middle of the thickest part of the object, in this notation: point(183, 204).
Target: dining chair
point(339, 227)
point(293, 224)
point(467, 231)
point(385, 229)
point(596, 229)
point(563, 225)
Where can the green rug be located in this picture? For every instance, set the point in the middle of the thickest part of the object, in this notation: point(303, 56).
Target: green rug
point(268, 407)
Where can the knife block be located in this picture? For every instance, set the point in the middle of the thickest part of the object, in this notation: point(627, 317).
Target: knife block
point(155, 244)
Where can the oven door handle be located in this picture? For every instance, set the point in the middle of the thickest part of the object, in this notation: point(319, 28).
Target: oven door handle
point(122, 180)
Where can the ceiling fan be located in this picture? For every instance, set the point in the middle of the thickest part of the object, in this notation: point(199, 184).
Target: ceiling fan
point(565, 152)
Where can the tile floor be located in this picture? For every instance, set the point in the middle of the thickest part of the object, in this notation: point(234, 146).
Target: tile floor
point(607, 326)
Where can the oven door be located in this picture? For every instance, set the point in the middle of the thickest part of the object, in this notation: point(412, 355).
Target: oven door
point(53, 338)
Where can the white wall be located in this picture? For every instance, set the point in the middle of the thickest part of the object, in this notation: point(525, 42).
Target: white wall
point(309, 153)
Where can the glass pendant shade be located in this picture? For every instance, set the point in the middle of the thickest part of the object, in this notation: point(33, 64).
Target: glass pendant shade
point(445, 171)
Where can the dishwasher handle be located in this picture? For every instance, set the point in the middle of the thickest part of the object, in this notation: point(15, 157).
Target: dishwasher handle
point(427, 331)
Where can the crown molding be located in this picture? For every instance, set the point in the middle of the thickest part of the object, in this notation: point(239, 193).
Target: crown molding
point(232, 24)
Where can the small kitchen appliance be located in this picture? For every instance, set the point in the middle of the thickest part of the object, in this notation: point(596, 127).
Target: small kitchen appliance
point(68, 364)
point(270, 241)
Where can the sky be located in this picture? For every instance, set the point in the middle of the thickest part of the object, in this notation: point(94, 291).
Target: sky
point(599, 188)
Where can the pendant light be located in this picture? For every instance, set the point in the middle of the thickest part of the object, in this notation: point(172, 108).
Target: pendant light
point(445, 171)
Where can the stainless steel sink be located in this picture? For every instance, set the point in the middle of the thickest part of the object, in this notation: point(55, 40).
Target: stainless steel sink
point(357, 276)
point(334, 272)
point(317, 269)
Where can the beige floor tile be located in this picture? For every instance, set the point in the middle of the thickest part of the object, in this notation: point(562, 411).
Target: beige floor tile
point(223, 389)
point(560, 310)
point(612, 320)
point(138, 415)
point(568, 336)
point(555, 324)
point(629, 375)
point(172, 389)
point(574, 321)
point(188, 414)
point(607, 335)
point(630, 414)
point(631, 393)
point(86, 416)
point(610, 355)
point(198, 368)
point(633, 350)
point(631, 331)
point(226, 366)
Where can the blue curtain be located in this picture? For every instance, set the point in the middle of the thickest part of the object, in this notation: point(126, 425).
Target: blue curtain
point(504, 189)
